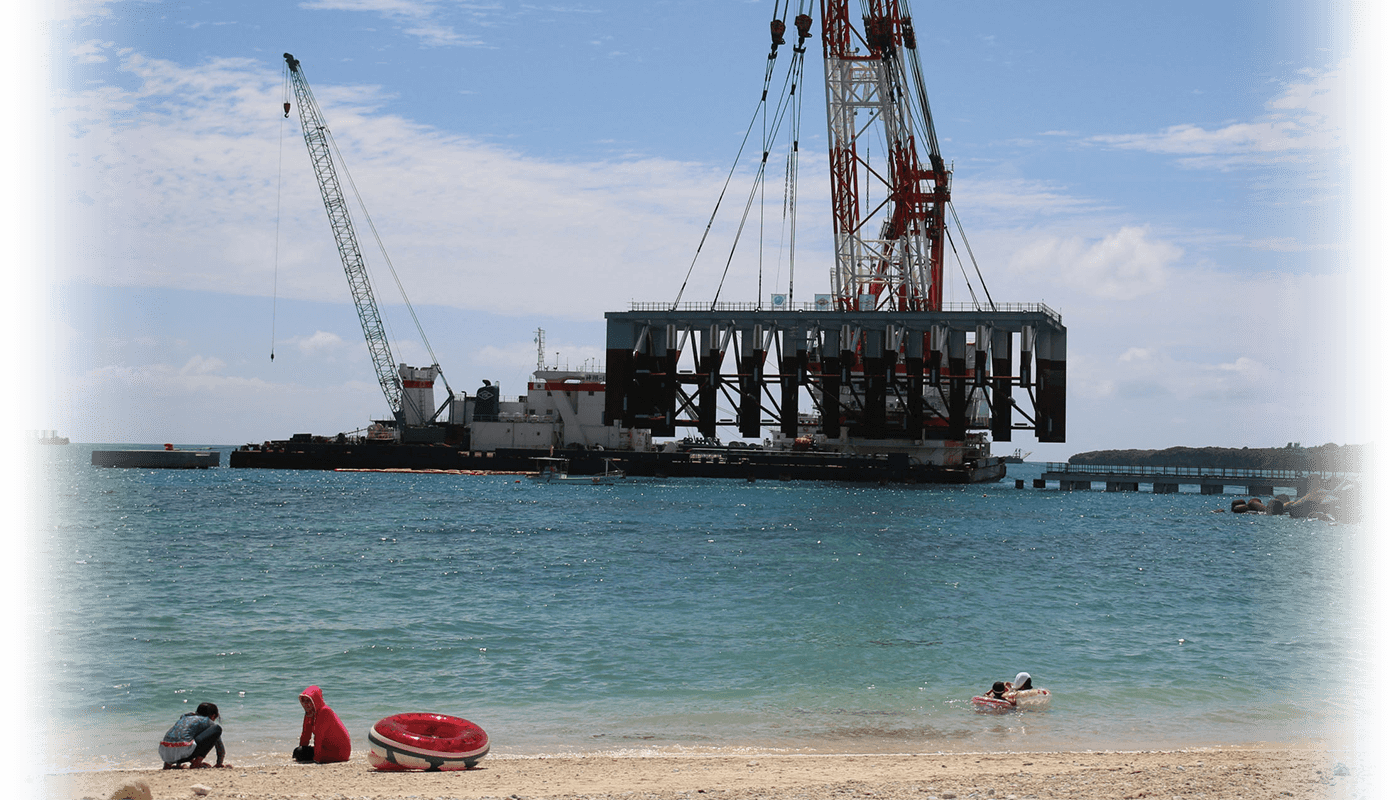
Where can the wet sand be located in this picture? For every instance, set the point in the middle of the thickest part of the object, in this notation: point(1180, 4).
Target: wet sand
point(1217, 772)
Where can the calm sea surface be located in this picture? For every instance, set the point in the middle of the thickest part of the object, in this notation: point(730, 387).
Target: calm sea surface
point(680, 615)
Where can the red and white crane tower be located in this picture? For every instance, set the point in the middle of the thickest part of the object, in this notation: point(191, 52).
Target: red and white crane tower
point(889, 184)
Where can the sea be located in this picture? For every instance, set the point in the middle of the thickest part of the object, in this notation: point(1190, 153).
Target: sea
point(679, 616)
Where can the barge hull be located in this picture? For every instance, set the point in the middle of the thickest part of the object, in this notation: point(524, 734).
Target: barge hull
point(156, 459)
point(741, 463)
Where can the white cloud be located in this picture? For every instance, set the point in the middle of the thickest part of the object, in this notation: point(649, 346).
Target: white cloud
point(90, 52)
point(1123, 265)
point(1149, 372)
point(442, 35)
point(81, 9)
point(181, 178)
point(1282, 244)
point(425, 24)
point(402, 8)
point(1005, 197)
point(1303, 121)
point(1169, 346)
point(321, 344)
point(181, 188)
point(199, 365)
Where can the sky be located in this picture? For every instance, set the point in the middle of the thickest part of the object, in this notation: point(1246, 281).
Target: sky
point(1172, 179)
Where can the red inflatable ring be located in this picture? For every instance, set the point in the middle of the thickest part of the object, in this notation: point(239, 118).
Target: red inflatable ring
point(991, 705)
point(426, 741)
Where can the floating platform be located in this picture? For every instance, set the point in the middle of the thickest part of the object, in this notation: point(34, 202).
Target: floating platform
point(721, 462)
point(156, 459)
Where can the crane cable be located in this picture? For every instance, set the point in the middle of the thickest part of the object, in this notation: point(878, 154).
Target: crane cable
point(379, 243)
point(758, 180)
point(790, 179)
point(277, 225)
point(790, 187)
point(777, 28)
point(767, 80)
point(966, 281)
point(970, 256)
point(345, 169)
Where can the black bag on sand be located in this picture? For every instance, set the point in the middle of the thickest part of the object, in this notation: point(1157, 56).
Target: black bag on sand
point(303, 754)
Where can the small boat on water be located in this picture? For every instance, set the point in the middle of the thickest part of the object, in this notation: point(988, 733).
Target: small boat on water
point(1015, 458)
point(52, 437)
point(556, 470)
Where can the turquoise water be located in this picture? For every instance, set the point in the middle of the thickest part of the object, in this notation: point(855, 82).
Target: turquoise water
point(668, 614)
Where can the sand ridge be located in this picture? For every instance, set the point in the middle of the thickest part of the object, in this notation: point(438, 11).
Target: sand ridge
point(1235, 772)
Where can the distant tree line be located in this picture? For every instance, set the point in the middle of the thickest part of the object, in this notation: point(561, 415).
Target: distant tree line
point(1326, 458)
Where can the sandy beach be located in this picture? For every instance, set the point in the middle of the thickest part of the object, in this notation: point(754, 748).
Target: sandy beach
point(1233, 772)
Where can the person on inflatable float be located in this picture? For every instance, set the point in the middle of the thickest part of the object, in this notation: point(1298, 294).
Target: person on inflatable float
point(1022, 682)
point(332, 739)
point(998, 692)
point(192, 736)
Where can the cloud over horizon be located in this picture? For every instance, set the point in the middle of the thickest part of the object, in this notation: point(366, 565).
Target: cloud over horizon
point(1303, 121)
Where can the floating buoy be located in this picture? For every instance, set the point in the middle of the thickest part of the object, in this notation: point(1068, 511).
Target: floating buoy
point(429, 742)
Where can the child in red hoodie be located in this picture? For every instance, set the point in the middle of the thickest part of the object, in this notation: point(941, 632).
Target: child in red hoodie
point(332, 739)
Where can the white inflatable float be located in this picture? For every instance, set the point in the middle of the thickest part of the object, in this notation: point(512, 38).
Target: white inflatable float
point(1023, 700)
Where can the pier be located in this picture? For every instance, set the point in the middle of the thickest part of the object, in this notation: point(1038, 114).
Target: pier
point(1169, 480)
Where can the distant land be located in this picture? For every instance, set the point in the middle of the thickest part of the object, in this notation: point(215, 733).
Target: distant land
point(1328, 457)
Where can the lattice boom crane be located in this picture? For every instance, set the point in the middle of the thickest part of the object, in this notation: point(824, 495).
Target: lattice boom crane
point(889, 248)
point(318, 144)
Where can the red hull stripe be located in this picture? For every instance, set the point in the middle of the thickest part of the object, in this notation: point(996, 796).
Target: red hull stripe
point(418, 384)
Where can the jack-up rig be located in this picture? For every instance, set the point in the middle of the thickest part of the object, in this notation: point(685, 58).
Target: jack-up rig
point(881, 379)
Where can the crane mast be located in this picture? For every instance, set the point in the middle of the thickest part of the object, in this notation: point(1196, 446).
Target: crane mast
point(318, 144)
point(887, 203)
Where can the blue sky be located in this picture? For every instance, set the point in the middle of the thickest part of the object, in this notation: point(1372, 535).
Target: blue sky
point(1171, 178)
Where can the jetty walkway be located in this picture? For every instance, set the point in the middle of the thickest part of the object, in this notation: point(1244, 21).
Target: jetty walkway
point(1168, 480)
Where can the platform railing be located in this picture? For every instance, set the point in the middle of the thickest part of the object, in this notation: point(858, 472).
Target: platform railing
point(1032, 308)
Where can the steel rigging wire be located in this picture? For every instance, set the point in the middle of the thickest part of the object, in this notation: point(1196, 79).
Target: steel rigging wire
point(767, 79)
point(277, 225)
point(759, 109)
point(789, 100)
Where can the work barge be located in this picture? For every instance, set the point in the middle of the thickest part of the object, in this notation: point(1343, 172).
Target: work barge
point(882, 379)
point(906, 397)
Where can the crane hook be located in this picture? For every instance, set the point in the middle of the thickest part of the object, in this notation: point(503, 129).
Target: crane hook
point(286, 109)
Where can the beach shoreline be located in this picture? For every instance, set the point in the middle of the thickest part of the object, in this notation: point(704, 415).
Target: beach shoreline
point(1250, 772)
